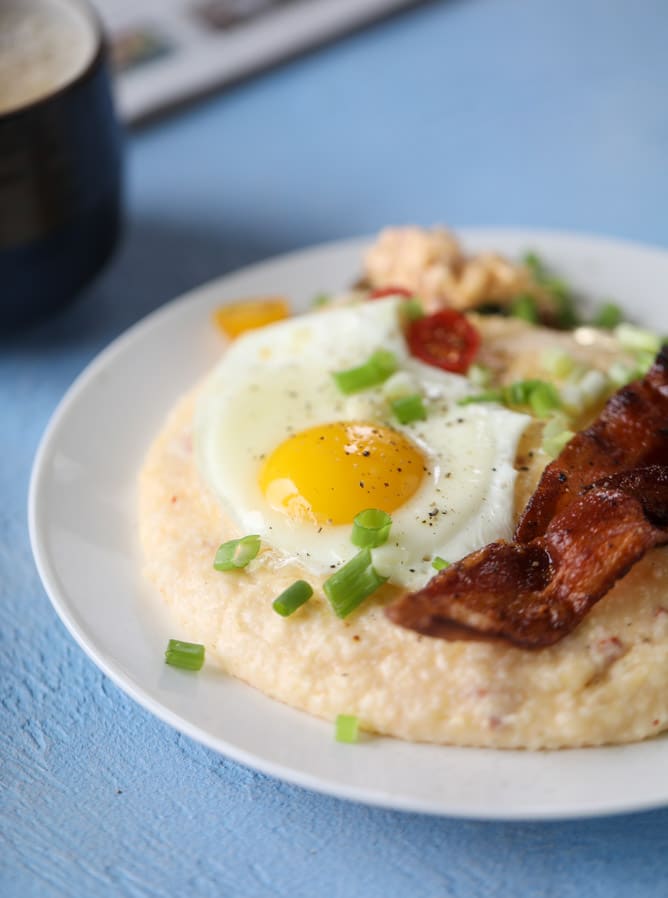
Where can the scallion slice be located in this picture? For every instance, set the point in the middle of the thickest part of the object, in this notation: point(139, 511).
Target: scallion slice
point(608, 316)
point(644, 361)
point(371, 528)
point(621, 374)
point(381, 364)
point(440, 564)
point(347, 588)
point(567, 316)
point(399, 385)
point(637, 339)
point(188, 655)
point(552, 445)
point(321, 299)
point(292, 598)
point(409, 409)
point(544, 399)
point(411, 309)
point(557, 362)
point(486, 396)
point(479, 375)
point(347, 728)
point(563, 301)
point(518, 392)
point(524, 306)
point(236, 553)
point(540, 395)
point(535, 265)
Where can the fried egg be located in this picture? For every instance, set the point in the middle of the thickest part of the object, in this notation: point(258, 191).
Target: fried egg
point(294, 460)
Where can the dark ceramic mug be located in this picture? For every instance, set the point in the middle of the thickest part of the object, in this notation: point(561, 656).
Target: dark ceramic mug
point(60, 156)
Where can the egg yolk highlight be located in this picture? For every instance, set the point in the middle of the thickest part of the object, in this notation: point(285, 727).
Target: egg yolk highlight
point(328, 473)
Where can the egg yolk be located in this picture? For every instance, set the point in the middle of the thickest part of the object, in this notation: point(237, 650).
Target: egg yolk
point(328, 473)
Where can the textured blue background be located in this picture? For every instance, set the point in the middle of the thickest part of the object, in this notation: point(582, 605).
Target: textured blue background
point(472, 112)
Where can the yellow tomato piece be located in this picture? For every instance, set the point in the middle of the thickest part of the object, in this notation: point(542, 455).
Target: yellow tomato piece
point(247, 314)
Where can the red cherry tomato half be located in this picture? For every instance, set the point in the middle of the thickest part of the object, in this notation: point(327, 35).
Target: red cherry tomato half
point(389, 291)
point(445, 339)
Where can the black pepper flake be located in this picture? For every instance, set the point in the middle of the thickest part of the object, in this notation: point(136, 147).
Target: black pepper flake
point(366, 453)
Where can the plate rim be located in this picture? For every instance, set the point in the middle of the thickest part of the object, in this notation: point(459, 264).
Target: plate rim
point(141, 695)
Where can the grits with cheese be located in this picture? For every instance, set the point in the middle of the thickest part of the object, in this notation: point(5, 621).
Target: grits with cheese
point(604, 683)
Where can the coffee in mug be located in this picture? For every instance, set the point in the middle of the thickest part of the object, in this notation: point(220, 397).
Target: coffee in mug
point(60, 155)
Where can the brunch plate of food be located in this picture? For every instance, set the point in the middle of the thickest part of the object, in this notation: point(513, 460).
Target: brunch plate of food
point(398, 507)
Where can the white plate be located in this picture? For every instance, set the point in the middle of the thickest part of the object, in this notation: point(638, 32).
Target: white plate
point(83, 532)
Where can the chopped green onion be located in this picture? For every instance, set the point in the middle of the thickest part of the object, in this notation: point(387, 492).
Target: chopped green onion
point(637, 339)
point(571, 398)
point(557, 362)
point(535, 266)
point(587, 390)
point(519, 392)
point(371, 528)
point(540, 395)
point(377, 369)
point(556, 434)
point(347, 588)
point(292, 598)
point(347, 728)
point(608, 316)
point(236, 553)
point(565, 307)
point(524, 306)
point(543, 399)
point(644, 361)
point(479, 375)
point(593, 385)
point(188, 655)
point(411, 309)
point(487, 396)
point(567, 316)
point(398, 385)
point(321, 299)
point(440, 564)
point(621, 374)
point(553, 445)
point(384, 361)
point(409, 408)
point(556, 424)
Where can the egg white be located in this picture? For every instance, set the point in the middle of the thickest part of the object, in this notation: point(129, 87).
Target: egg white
point(277, 381)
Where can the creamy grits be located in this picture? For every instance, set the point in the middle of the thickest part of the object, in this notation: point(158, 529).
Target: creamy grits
point(604, 683)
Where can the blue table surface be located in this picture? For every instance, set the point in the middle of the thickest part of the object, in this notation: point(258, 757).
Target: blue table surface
point(472, 112)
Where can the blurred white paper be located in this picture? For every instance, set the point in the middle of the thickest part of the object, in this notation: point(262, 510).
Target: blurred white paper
point(167, 51)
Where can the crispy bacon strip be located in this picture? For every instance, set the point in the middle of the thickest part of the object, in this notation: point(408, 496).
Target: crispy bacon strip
point(631, 431)
point(533, 594)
